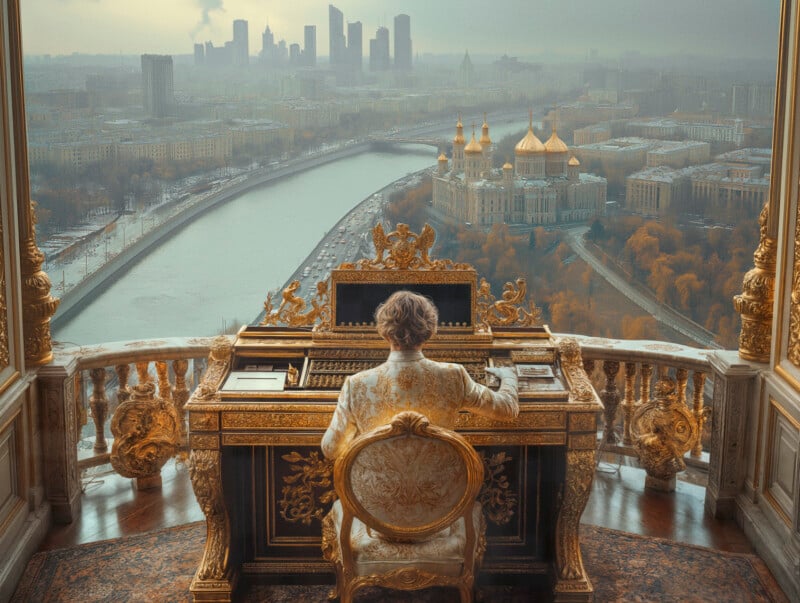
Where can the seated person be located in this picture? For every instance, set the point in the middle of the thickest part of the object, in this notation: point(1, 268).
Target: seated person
point(409, 381)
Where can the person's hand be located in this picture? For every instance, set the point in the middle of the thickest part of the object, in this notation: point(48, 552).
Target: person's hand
point(503, 372)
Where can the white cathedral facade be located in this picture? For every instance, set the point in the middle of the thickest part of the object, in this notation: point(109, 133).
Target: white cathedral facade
point(544, 186)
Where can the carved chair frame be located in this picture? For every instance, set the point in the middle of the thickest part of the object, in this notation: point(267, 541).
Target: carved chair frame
point(404, 424)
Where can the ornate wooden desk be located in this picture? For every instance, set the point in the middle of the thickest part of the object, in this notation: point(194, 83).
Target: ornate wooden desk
point(257, 419)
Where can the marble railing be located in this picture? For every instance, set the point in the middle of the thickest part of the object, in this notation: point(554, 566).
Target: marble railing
point(114, 383)
point(655, 395)
point(649, 389)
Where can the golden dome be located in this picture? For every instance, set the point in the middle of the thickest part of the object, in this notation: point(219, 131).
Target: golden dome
point(442, 157)
point(485, 140)
point(508, 166)
point(459, 138)
point(573, 161)
point(474, 146)
point(529, 145)
point(555, 145)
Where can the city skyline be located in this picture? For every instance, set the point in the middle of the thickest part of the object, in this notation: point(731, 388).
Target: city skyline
point(566, 28)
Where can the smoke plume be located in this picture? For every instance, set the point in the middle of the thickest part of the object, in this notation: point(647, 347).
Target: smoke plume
point(207, 6)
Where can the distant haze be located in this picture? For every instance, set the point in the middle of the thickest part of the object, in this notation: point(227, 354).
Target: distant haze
point(525, 28)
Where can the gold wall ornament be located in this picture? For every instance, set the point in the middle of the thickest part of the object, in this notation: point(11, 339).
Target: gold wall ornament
point(507, 311)
point(206, 475)
point(38, 306)
point(581, 390)
point(307, 489)
point(292, 310)
point(663, 430)
point(756, 300)
point(146, 434)
point(497, 498)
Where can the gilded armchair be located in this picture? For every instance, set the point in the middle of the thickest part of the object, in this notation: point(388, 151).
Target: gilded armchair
point(406, 517)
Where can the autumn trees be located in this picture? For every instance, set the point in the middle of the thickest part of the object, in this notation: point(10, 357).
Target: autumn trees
point(695, 270)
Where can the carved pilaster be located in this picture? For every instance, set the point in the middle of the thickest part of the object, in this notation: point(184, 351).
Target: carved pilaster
point(734, 383)
point(571, 581)
point(756, 300)
point(57, 397)
point(610, 397)
point(214, 579)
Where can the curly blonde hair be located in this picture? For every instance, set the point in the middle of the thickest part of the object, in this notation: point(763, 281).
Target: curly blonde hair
point(406, 319)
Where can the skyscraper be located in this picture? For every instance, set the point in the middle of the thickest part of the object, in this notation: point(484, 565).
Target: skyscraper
point(241, 43)
point(157, 88)
point(379, 58)
point(336, 36)
point(355, 46)
point(402, 42)
point(310, 46)
point(199, 54)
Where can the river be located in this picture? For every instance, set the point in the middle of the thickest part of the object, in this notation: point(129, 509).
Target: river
point(218, 269)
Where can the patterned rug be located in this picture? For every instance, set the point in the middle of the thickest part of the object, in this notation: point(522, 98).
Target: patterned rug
point(158, 567)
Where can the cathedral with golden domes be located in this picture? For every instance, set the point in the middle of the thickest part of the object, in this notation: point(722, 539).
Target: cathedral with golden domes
point(544, 186)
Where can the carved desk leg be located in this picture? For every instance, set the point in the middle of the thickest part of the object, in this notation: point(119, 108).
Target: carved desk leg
point(214, 579)
point(571, 581)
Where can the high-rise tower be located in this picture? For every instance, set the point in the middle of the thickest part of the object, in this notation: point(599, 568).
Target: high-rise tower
point(379, 58)
point(241, 43)
point(310, 46)
point(157, 88)
point(402, 42)
point(355, 46)
point(336, 36)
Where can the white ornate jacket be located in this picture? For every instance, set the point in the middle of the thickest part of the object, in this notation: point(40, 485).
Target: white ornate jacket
point(409, 381)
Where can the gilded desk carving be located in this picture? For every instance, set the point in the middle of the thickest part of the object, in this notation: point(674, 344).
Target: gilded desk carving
point(575, 494)
point(572, 364)
point(498, 499)
point(205, 473)
point(308, 491)
point(509, 310)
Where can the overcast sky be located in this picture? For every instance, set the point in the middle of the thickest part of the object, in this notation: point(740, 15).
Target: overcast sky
point(740, 28)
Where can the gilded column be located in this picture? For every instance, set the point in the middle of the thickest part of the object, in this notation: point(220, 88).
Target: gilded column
point(38, 306)
point(756, 301)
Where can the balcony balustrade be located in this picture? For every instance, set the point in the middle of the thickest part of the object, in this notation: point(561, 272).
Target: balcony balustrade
point(656, 397)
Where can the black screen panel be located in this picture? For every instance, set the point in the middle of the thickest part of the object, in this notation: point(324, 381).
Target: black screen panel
point(356, 302)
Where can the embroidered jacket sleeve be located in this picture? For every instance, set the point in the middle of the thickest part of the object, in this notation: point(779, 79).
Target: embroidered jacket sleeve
point(342, 429)
point(502, 404)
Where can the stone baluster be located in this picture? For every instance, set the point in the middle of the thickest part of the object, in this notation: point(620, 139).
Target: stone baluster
point(123, 392)
point(644, 385)
point(629, 402)
point(681, 378)
point(164, 386)
point(700, 413)
point(180, 395)
point(610, 397)
point(143, 371)
point(588, 367)
point(99, 405)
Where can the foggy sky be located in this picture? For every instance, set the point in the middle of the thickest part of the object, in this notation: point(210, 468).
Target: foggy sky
point(738, 28)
